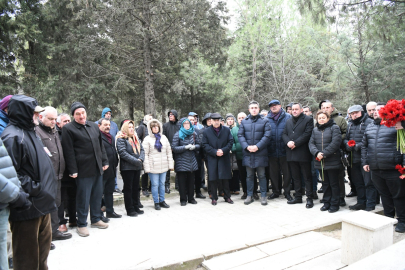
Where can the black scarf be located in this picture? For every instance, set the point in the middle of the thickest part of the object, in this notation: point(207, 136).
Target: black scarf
point(358, 120)
point(326, 125)
point(377, 121)
point(47, 129)
point(295, 119)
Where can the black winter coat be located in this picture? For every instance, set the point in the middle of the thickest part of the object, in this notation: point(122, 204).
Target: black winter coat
point(142, 131)
point(255, 131)
point(276, 147)
point(327, 140)
point(112, 156)
point(355, 131)
point(33, 165)
point(129, 159)
point(218, 167)
point(299, 132)
point(379, 147)
point(185, 160)
point(170, 128)
point(83, 149)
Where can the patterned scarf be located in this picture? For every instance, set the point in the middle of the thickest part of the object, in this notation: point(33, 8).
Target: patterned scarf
point(108, 136)
point(275, 116)
point(183, 133)
point(158, 144)
point(136, 146)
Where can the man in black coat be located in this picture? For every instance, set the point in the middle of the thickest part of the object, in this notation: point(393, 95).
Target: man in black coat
point(217, 142)
point(109, 174)
point(366, 192)
point(31, 228)
point(254, 136)
point(86, 160)
point(379, 155)
point(169, 129)
point(296, 136)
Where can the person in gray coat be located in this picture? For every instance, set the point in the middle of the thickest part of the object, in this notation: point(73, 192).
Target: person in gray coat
point(324, 144)
point(185, 145)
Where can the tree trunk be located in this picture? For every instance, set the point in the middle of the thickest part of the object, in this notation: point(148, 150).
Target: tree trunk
point(131, 108)
point(147, 59)
point(254, 73)
point(363, 77)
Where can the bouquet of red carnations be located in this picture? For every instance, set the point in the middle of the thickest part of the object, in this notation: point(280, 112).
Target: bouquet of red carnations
point(392, 113)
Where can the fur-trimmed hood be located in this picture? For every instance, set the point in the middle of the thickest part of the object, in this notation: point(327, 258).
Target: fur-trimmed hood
point(150, 130)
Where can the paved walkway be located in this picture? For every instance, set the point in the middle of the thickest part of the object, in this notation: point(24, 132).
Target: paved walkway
point(159, 238)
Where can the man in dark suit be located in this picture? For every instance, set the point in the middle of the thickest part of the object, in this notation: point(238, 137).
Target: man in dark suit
point(296, 135)
point(109, 174)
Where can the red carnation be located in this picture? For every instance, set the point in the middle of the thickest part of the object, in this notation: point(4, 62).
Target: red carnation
point(351, 143)
point(400, 169)
point(317, 159)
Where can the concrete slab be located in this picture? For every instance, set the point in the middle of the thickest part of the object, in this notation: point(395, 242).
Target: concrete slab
point(329, 261)
point(231, 260)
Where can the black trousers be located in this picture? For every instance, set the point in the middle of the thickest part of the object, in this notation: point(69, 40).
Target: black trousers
point(349, 175)
point(392, 191)
point(304, 168)
point(131, 189)
point(234, 182)
point(242, 175)
point(68, 194)
point(186, 186)
point(358, 181)
point(145, 178)
point(108, 199)
point(331, 189)
point(275, 166)
point(167, 183)
point(342, 187)
point(197, 180)
point(55, 214)
point(214, 188)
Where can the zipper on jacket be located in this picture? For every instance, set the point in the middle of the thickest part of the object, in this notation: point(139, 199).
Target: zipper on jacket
point(375, 144)
point(322, 139)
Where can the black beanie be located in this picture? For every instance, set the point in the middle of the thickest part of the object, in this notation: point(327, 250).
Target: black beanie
point(76, 105)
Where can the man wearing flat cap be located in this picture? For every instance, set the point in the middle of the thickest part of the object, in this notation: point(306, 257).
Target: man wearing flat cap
point(86, 160)
point(366, 192)
point(217, 143)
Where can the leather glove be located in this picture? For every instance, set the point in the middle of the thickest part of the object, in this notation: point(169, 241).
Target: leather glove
point(187, 146)
point(192, 147)
point(21, 203)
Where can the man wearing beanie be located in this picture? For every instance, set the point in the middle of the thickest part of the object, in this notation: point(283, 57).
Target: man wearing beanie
point(3, 112)
point(86, 160)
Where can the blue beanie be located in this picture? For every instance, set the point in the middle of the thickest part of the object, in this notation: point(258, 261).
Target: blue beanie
point(105, 110)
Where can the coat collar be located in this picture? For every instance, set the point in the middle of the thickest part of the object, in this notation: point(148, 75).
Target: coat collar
point(77, 125)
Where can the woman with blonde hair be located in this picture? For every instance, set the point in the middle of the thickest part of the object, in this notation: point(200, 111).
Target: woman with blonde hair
point(132, 156)
point(158, 160)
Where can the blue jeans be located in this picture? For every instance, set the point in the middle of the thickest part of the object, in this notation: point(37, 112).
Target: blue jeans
point(3, 238)
point(89, 192)
point(158, 186)
point(261, 173)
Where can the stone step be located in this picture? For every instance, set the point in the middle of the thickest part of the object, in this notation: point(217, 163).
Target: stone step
point(309, 248)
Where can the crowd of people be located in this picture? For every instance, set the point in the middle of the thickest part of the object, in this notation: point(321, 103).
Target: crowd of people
point(55, 170)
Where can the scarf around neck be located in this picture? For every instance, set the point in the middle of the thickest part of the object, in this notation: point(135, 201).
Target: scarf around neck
point(183, 133)
point(327, 124)
point(108, 136)
point(275, 116)
point(158, 144)
point(217, 130)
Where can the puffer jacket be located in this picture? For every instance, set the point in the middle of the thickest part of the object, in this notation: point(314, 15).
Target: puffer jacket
point(129, 160)
point(254, 131)
point(355, 131)
point(170, 128)
point(326, 139)
point(379, 147)
point(3, 121)
point(236, 147)
point(186, 160)
point(33, 165)
point(155, 161)
point(276, 147)
point(9, 184)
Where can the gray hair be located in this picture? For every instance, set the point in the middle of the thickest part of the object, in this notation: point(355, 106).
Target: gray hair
point(331, 104)
point(242, 113)
point(307, 107)
point(100, 121)
point(371, 103)
point(47, 110)
point(59, 119)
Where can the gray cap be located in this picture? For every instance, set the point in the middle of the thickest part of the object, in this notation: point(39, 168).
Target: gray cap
point(216, 116)
point(355, 108)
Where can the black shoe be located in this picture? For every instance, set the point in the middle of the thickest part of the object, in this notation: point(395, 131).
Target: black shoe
point(214, 202)
point(200, 196)
point(333, 210)
point(295, 200)
point(167, 190)
point(244, 196)
point(52, 246)
point(357, 207)
point(145, 193)
point(139, 211)
point(132, 214)
point(288, 197)
point(61, 236)
point(10, 263)
point(104, 219)
point(164, 204)
point(320, 190)
point(369, 209)
point(400, 228)
point(255, 196)
point(229, 201)
point(113, 215)
point(321, 200)
point(157, 206)
point(273, 196)
point(352, 194)
point(315, 195)
point(183, 203)
point(310, 203)
point(140, 205)
point(193, 201)
point(342, 202)
point(325, 207)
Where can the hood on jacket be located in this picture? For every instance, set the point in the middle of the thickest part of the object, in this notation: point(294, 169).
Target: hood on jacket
point(204, 120)
point(21, 111)
point(228, 115)
point(176, 115)
point(150, 130)
point(289, 105)
point(105, 110)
